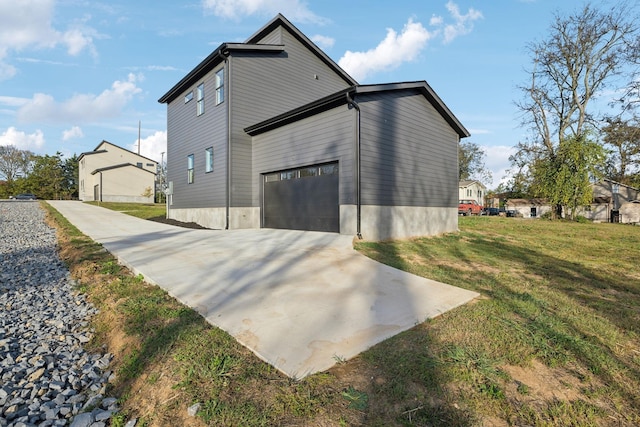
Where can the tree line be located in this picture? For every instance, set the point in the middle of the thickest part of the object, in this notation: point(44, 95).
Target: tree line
point(48, 177)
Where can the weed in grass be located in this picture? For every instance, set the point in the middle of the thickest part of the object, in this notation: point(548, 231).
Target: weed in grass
point(357, 399)
point(110, 267)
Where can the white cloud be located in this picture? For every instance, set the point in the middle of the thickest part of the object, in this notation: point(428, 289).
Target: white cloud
point(81, 107)
point(28, 24)
point(152, 146)
point(323, 41)
point(22, 140)
point(235, 9)
point(463, 23)
point(390, 53)
point(74, 132)
point(13, 101)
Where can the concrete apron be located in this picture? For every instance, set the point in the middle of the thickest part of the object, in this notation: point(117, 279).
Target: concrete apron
point(299, 300)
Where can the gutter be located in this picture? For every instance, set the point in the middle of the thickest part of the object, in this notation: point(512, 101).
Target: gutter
point(227, 59)
point(354, 104)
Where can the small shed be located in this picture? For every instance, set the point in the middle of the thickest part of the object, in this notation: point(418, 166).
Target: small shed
point(528, 208)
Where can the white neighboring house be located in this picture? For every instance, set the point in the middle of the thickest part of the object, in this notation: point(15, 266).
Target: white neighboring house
point(473, 190)
point(111, 173)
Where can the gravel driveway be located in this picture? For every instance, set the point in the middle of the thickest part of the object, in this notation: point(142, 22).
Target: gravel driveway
point(46, 377)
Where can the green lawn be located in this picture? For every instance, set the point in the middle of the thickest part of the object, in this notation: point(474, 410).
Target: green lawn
point(140, 210)
point(554, 339)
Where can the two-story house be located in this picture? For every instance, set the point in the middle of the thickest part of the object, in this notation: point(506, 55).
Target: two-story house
point(273, 133)
point(111, 173)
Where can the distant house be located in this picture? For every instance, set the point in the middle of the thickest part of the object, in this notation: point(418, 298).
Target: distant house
point(608, 198)
point(111, 173)
point(528, 208)
point(273, 133)
point(473, 190)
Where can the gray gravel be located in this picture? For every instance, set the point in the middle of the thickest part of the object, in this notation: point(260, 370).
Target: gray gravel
point(46, 376)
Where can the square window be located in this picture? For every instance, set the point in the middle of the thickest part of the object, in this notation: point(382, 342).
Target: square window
point(188, 97)
point(208, 160)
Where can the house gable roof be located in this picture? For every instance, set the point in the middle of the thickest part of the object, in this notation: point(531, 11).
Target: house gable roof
point(97, 150)
point(340, 98)
point(118, 166)
point(467, 183)
point(252, 45)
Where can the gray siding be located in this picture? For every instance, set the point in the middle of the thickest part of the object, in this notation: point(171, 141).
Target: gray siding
point(325, 137)
point(265, 85)
point(409, 154)
point(187, 134)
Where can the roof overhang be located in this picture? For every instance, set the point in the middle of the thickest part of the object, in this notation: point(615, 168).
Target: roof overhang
point(340, 98)
point(119, 166)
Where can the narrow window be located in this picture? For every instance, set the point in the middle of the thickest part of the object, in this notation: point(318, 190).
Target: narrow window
point(188, 97)
point(208, 160)
point(190, 169)
point(220, 87)
point(200, 99)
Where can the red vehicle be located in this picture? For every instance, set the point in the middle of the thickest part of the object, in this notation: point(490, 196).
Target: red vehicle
point(469, 207)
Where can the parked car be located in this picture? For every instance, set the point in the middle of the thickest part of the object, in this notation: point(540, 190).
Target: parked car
point(512, 213)
point(25, 196)
point(469, 207)
point(493, 211)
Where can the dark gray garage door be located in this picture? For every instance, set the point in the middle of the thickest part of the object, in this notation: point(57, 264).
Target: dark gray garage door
point(302, 199)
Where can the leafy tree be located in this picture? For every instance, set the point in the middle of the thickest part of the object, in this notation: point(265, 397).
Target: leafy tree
point(47, 178)
point(471, 162)
point(14, 163)
point(623, 136)
point(565, 179)
point(582, 54)
point(70, 173)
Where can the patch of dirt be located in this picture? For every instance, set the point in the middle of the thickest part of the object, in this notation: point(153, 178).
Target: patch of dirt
point(544, 383)
point(170, 221)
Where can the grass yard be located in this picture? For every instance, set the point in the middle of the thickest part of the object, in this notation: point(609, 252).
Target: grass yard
point(140, 210)
point(554, 339)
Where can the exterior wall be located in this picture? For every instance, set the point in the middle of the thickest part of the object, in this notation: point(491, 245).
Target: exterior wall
point(409, 154)
point(477, 192)
point(525, 210)
point(598, 212)
point(215, 218)
point(618, 193)
point(188, 133)
point(323, 138)
point(124, 187)
point(265, 85)
point(126, 184)
point(630, 213)
point(398, 222)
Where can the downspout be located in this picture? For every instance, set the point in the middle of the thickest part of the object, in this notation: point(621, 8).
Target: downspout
point(354, 104)
point(100, 186)
point(227, 77)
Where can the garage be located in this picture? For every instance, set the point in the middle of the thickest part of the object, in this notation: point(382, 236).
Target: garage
point(304, 198)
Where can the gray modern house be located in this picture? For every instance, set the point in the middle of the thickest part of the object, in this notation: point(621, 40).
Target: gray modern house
point(273, 133)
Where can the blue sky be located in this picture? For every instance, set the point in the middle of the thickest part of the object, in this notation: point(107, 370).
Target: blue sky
point(75, 72)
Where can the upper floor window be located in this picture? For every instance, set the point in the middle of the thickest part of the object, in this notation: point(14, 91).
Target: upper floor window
point(139, 164)
point(200, 99)
point(208, 160)
point(188, 97)
point(220, 86)
point(190, 172)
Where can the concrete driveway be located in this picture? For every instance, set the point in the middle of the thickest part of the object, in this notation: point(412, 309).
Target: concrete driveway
point(299, 300)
